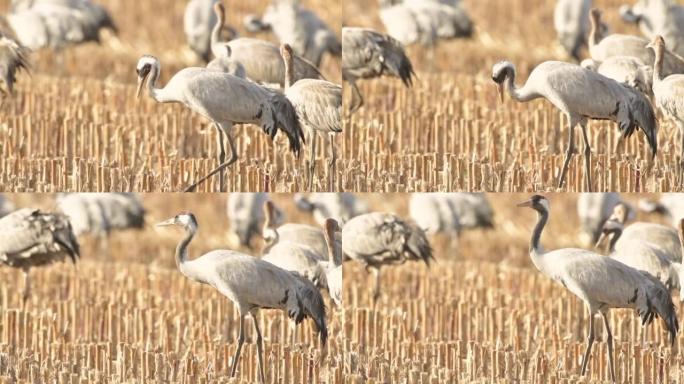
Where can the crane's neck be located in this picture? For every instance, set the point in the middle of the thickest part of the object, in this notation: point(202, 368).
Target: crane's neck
point(158, 94)
point(182, 251)
point(333, 256)
point(271, 238)
point(658, 63)
point(289, 71)
point(215, 42)
point(536, 250)
point(594, 33)
point(614, 239)
point(519, 94)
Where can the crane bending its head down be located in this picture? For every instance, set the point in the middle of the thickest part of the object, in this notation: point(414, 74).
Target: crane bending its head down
point(582, 95)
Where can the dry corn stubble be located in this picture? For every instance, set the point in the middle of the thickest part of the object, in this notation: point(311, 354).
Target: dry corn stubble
point(131, 316)
point(450, 132)
point(482, 313)
point(76, 125)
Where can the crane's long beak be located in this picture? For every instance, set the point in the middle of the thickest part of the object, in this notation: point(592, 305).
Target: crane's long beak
point(500, 86)
point(141, 82)
point(166, 223)
point(527, 203)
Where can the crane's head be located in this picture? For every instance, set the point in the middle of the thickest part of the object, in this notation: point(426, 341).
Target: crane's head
point(220, 12)
point(621, 213)
point(144, 68)
point(595, 16)
point(286, 52)
point(612, 227)
point(537, 202)
point(500, 72)
point(657, 43)
point(331, 226)
point(185, 219)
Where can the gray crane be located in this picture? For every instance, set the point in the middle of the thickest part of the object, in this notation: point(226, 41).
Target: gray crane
point(308, 35)
point(246, 217)
point(571, 20)
point(251, 284)
point(261, 59)
point(99, 214)
point(658, 17)
point(13, 58)
point(601, 283)
point(368, 54)
point(225, 100)
point(318, 104)
point(593, 209)
point(582, 95)
point(380, 239)
point(31, 238)
point(340, 206)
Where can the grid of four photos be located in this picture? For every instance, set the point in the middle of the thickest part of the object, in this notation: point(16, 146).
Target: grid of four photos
point(346, 191)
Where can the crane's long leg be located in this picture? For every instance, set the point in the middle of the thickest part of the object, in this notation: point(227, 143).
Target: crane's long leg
point(590, 341)
point(568, 152)
point(27, 287)
point(312, 163)
point(332, 163)
point(357, 98)
point(610, 346)
point(587, 156)
point(222, 157)
point(241, 340)
point(221, 167)
point(260, 349)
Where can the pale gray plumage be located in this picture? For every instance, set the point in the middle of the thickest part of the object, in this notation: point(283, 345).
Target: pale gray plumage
point(299, 258)
point(318, 104)
point(601, 48)
point(367, 54)
point(198, 21)
point(670, 205)
point(251, 284)
point(261, 59)
point(246, 216)
point(227, 64)
point(658, 17)
point(31, 238)
point(424, 21)
point(582, 95)
point(571, 20)
point(473, 209)
point(274, 231)
point(225, 100)
point(666, 238)
point(593, 209)
point(433, 213)
point(57, 24)
point(643, 255)
point(601, 282)
point(339, 206)
point(6, 206)
point(379, 239)
point(625, 70)
point(99, 214)
point(669, 93)
point(308, 35)
point(13, 58)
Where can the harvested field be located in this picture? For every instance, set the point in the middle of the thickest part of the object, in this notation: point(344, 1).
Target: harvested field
point(131, 316)
point(482, 313)
point(450, 132)
point(75, 124)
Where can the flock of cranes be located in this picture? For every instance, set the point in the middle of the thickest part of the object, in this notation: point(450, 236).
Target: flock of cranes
point(246, 80)
point(300, 263)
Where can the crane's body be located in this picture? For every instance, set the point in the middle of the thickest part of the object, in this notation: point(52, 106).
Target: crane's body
point(31, 238)
point(308, 35)
point(198, 21)
point(225, 100)
point(318, 104)
point(339, 206)
point(658, 17)
point(593, 210)
point(251, 284)
point(582, 95)
point(380, 239)
point(571, 21)
point(369, 54)
point(601, 283)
